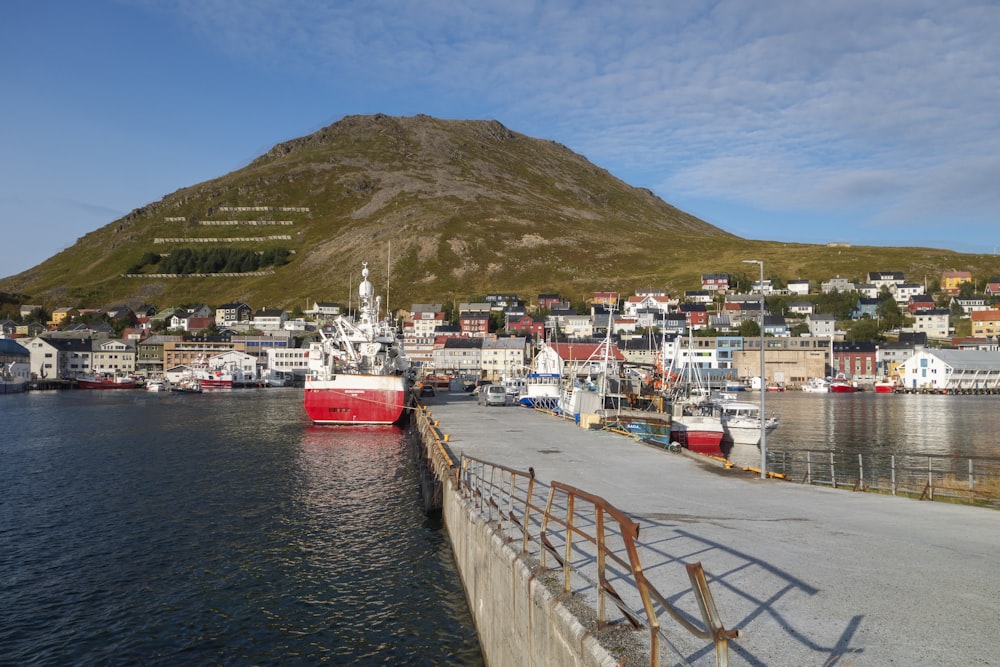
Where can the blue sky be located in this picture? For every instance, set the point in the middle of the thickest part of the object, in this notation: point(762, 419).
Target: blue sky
point(866, 122)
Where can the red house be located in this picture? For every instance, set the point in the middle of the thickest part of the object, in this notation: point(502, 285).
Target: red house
point(527, 325)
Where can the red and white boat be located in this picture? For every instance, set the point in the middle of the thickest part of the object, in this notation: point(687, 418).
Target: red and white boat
point(697, 426)
point(841, 385)
point(212, 378)
point(885, 386)
point(105, 381)
point(358, 373)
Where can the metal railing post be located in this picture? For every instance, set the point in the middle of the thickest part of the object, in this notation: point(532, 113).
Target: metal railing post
point(892, 461)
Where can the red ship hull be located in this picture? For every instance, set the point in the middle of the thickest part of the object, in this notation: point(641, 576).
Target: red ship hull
point(356, 399)
point(105, 384)
point(700, 441)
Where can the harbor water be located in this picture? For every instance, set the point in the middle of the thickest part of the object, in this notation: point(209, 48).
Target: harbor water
point(221, 528)
point(871, 423)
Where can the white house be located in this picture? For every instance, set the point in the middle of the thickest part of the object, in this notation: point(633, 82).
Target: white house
point(801, 307)
point(269, 319)
point(869, 290)
point(933, 322)
point(821, 325)
point(798, 287)
point(659, 303)
point(903, 291)
point(282, 361)
point(113, 356)
point(970, 304)
point(324, 310)
point(233, 360)
point(837, 284)
point(503, 356)
point(951, 369)
point(698, 296)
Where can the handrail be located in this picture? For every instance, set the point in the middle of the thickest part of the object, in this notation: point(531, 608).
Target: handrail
point(506, 492)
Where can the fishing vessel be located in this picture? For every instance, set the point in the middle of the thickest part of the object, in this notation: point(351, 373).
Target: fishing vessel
point(885, 385)
point(741, 421)
point(695, 419)
point(841, 385)
point(14, 377)
point(816, 385)
point(358, 373)
point(105, 381)
point(542, 384)
point(157, 384)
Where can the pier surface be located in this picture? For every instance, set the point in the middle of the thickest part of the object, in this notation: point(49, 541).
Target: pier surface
point(810, 575)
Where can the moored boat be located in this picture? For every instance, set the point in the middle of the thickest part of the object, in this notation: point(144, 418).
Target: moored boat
point(741, 422)
point(358, 373)
point(841, 385)
point(14, 377)
point(187, 384)
point(105, 381)
point(697, 426)
point(885, 386)
point(157, 384)
point(816, 386)
point(649, 426)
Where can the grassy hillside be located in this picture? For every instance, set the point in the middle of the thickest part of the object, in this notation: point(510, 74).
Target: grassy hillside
point(457, 209)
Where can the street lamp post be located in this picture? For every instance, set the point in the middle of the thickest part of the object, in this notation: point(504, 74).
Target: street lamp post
point(763, 386)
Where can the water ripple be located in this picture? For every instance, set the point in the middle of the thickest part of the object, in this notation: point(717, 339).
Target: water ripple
point(217, 530)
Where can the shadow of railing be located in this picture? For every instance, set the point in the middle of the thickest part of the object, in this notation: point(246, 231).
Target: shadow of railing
point(593, 544)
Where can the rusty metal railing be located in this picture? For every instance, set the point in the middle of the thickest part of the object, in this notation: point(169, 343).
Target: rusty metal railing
point(601, 537)
point(504, 491)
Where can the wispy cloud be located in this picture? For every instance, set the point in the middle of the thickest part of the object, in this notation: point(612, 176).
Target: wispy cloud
point(889, 106)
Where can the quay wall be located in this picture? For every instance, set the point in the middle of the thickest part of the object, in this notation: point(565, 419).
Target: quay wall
point(519, 619)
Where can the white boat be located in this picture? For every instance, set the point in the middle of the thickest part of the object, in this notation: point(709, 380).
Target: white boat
point(542, 385)
point(358, 373)
point(741, 422)
point(816, 386)
point(14, 377)
point(157, 384)
point(187, 384)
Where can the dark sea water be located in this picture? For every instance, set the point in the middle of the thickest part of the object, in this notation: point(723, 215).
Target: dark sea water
point(162, 529)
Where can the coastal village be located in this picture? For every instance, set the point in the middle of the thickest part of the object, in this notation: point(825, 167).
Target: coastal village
point(939, 336)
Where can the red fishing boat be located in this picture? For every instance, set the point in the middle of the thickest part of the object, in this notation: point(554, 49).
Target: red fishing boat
point(841, 385)
point(358, 373)
point(105, 381)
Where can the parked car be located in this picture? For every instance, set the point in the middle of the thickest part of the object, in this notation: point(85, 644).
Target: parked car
point(493, 394)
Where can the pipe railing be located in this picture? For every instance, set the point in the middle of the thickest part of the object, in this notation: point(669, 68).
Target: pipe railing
point(594, 535)
point(973, 479)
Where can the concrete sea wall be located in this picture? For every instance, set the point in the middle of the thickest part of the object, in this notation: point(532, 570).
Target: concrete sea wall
point(520, 617)
point(519, 620)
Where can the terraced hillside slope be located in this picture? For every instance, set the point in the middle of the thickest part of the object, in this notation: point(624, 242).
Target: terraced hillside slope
point(456, 209)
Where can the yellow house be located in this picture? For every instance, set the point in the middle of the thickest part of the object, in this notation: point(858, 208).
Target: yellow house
point(61, 316)
point(985, 322)
point(952, 280)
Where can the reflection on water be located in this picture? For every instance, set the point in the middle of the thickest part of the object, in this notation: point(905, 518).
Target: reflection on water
point(867, 422)
point(216, 528)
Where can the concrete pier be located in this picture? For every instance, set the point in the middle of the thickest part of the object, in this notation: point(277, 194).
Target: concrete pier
point(810, 575)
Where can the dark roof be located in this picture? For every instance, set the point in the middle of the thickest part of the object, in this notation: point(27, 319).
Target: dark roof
point(464, 342)
point(11, 348)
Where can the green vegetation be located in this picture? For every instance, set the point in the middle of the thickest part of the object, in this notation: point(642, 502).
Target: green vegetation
point(455, 208)
point(217, 260)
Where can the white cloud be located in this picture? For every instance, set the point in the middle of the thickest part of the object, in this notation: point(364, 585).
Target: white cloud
point(782, 105)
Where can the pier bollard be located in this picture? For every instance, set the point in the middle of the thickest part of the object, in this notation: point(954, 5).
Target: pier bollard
point(446, 438)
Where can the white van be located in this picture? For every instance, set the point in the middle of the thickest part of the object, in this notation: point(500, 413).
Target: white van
point(493, 394)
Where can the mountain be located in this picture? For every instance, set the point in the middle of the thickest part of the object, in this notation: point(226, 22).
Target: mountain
point(457, 209)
